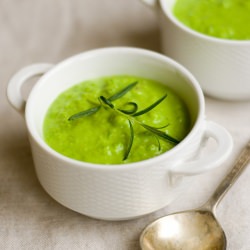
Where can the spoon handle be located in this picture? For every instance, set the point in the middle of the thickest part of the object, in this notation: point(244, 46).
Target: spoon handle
point(240, 164)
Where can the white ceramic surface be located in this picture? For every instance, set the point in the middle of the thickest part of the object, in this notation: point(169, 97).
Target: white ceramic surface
point(222, 67)
point(117, 192)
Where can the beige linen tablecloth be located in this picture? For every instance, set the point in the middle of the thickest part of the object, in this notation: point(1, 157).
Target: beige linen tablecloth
point(49, 31)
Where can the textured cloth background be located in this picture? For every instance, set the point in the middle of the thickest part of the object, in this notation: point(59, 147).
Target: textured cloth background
point(49, 31)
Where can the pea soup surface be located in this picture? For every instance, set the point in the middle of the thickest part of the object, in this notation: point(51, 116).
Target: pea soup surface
point(103, 137)
point(228, 19)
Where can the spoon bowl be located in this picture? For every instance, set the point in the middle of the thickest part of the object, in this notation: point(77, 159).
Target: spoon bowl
point(190, 230)
point(196, 229)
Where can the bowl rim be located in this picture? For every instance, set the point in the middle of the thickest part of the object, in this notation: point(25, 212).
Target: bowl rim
point(34, 134)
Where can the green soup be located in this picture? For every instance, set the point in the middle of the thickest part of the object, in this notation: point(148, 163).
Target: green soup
point(228, 19)
point(105, 135)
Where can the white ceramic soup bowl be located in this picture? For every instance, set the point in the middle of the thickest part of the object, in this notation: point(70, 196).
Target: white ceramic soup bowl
point(221, 66)
point(117, 192)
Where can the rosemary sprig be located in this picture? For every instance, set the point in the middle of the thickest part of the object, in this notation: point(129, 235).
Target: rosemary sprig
point(131, 115)
point(96, 108)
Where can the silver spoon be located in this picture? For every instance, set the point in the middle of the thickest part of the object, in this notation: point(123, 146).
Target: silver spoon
point(196, 229)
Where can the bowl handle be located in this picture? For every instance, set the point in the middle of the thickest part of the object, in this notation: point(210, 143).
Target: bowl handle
point(211, 160)
point(15, 84)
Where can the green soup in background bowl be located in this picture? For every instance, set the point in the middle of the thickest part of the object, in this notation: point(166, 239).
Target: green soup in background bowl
point(227, 19)
point(128, 190)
